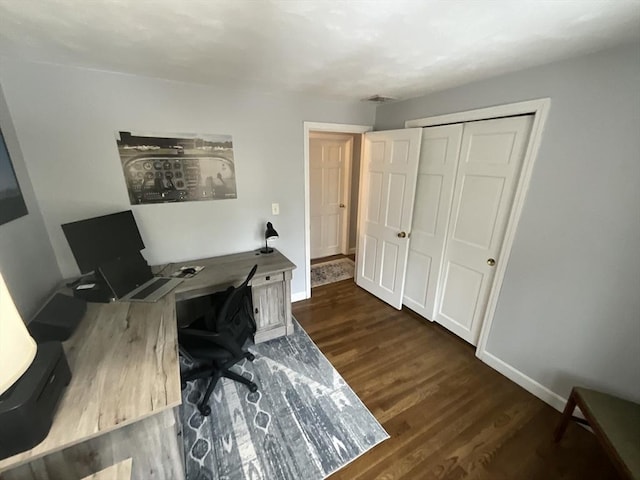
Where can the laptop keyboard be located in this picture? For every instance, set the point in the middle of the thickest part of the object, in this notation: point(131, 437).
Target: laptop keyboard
point(150, 288)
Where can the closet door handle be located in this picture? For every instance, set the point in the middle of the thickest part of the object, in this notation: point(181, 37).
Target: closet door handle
point(402, 235)
point(491, 262)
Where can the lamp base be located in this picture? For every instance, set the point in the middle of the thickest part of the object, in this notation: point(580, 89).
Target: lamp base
point(266, 250)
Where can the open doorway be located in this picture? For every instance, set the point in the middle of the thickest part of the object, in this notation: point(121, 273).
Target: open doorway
point(332, 177)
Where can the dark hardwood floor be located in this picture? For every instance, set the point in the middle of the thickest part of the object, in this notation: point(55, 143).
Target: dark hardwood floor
point(449, 415)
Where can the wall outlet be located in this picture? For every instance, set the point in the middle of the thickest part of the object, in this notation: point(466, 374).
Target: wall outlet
point(275, 209)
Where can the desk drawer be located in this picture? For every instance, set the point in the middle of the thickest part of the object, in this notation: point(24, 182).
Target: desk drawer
point(260, 280)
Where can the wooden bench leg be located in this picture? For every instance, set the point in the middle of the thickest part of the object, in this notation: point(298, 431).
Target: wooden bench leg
point(567, 414)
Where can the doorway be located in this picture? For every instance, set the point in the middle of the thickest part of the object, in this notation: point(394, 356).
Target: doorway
point(331, 159)
point(330, 228)
point(334, 165)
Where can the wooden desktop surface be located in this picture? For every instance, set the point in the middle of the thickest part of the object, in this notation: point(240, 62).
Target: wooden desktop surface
point(119, 471)
point(124, 356)
point(124, 363)
point(220, 272)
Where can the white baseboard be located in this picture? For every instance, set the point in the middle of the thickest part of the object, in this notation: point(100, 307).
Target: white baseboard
point(298, 296)
point(528, 383)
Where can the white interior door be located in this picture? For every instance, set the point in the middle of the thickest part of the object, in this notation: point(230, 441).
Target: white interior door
point(434, 191)
point(387, 189)
point(488, 171)
point(329, 180)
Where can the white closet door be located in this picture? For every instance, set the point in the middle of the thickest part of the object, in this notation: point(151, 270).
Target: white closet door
point(488, 171)
point(436, 174)
point(387, 190)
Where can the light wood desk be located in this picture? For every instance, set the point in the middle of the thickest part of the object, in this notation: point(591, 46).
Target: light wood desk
point(119, 471)
point(125, 388)
point(271, 286)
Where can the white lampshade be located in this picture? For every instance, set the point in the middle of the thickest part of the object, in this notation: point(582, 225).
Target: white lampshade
point(17, 348)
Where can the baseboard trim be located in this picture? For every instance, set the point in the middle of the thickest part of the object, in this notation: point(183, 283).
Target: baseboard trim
point(528, 383)
point(352, 251)
point(298, 296)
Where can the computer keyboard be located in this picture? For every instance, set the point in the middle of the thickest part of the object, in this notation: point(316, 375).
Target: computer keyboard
point(150, 288)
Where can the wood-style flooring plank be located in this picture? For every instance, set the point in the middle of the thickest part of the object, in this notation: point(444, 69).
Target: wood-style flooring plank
point(449, 415)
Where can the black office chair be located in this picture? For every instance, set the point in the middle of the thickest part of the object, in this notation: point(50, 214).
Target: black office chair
point(216, 339)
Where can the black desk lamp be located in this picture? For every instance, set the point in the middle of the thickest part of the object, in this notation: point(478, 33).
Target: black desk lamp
point(270, 232)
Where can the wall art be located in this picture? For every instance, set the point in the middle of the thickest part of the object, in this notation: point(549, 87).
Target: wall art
point(177, 167)
point(12, 204)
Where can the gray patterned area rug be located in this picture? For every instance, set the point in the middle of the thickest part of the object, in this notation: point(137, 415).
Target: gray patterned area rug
point(304, 423)
point(331, 271)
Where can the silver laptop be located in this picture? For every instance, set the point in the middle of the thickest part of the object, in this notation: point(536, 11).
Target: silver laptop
point(131, 280)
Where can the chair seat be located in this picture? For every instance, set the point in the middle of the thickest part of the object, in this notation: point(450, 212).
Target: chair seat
point(206, 352)
point(615, 423)
point(619, 421)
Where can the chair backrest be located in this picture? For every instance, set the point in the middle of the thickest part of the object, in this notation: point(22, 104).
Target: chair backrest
point(235, 315)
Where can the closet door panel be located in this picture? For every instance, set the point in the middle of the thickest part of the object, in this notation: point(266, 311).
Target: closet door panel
point(487, 176)
point(434, 191)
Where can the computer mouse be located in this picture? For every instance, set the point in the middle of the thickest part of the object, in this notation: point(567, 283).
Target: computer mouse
point(188, 271)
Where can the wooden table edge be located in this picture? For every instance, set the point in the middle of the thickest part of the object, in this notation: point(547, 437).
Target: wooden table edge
point(126, 423)
point(602, 437)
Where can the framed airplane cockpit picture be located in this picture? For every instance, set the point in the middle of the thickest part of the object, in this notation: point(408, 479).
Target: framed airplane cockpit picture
point(12, 204)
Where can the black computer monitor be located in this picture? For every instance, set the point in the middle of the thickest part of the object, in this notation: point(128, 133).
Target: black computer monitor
point(95, 241)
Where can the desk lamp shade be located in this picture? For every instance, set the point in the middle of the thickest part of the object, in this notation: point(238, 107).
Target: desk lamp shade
point(270, 232)
point(17, 348)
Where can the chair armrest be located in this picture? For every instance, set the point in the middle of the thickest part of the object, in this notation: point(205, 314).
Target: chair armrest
point(220, 339)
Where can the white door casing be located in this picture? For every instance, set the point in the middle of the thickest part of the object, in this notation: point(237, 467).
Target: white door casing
point(387, 189)
point(489, 167)
point(434, 192)
point(329, 180)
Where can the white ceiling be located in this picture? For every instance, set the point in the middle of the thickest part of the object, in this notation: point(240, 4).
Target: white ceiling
point(343, 49)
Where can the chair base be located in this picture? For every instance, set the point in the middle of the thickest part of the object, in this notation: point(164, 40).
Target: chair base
point(215, 372)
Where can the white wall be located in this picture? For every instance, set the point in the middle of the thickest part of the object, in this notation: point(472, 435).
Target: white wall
point(66, 119)
point(27, 262)
point(569, 309)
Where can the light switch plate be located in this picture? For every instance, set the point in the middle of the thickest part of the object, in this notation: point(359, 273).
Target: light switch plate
point(275, 209)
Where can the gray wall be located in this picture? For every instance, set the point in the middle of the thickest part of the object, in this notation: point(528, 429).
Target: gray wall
point(27, 262)
point(569, 309)
point(66, 119)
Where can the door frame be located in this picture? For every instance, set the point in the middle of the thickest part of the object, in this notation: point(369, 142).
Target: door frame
point(540, 110)
point(346, 182)
point(308, 127)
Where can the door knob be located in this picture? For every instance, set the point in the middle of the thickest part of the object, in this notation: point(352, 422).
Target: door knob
point(491, 262)
point(402, 234)
point(342, 205)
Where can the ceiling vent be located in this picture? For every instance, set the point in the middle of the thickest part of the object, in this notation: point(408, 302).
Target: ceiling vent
point(378, 99)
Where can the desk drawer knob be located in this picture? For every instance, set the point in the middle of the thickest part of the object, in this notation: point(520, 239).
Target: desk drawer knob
point(268, 277)
point(256, 311)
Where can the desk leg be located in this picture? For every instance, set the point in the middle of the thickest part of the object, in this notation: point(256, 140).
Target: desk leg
point(567, 414)
point(153, 443)
point(287, 302)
